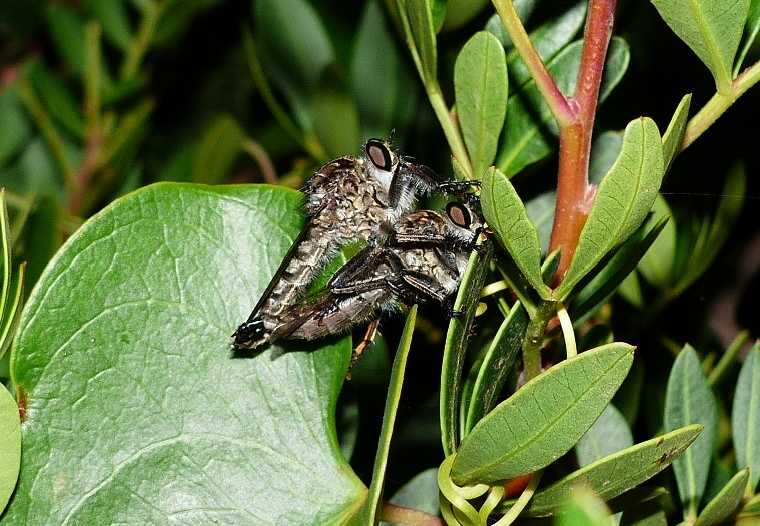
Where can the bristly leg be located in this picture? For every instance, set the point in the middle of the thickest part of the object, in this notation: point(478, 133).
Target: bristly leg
point(368, 339)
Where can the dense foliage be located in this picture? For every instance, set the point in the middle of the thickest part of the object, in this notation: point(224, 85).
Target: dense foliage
point(603, 370)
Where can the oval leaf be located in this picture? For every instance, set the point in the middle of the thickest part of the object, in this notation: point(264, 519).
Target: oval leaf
point(133, 399)
point(711, 28)
point(624, 198)
point(585, 509)
point(544, 419)
point(609, 434)
point(689, 400)
point(217, 150)
point(480, 83)
point(745, 417)
point(657, 264)
point(505, 213)
point(10, 445)
point(616, 474)
point(751, 30)
point(726, 502)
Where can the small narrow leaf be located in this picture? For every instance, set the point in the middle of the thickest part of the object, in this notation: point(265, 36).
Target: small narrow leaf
point(497, 364)
point(689, 400)
point(544, 419)
point(711, 28)
point(609, 434)
point(505, 213)
point(751, 29)
point(745, 416)
point(455, 347)
point(671, 140)
point(726, 502)
point(616, 474)
point(10, 445)
point(375, 494)
point(422, 31)
point(480, 82)
point(623, 200)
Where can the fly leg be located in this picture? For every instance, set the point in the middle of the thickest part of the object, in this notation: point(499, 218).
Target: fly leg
point(368, 339)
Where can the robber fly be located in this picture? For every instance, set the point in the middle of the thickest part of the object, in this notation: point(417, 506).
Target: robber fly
point(347, 200)
point(420, 261)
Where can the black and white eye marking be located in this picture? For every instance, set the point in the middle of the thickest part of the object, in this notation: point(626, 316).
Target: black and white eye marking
point(459, 214)
point(377, 152)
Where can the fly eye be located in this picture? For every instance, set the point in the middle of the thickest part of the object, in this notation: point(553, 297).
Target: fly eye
point(459, 215)
point(379, 154)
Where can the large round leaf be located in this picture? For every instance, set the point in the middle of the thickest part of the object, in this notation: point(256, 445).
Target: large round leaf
point(136, 410)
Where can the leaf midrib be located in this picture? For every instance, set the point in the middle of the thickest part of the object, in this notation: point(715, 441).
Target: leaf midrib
point(722, 76)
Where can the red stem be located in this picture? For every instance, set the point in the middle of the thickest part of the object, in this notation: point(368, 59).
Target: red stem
point(574, 194)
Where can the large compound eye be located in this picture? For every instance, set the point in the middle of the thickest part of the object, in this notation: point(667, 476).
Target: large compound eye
point(379, 154)
point(459, 214)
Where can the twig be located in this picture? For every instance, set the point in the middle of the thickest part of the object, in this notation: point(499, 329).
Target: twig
point(139, 46)
point(261, 157)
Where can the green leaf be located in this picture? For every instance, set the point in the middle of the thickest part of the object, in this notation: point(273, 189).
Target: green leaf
point(609, 434)
point(10, 445)
point(459, 12)
point(543, 419)
point(597, 287)
point(745, 416)
point(505, 213)
point(540, 211)
point(711, 28)
point(528, 135)
point(378, 78)
point(673, 137)
point(418, 22)
point(294, 41)
point(549, 39)
point(689, 400)
point(494, 25)
point(113, 17)
point(726, 502)
point(217, 151)
point(751, 29)
point(623, 200)
point(657, 264)
point(125, 339)
point(497, 364)
point(57, 98)
point(617, 473)
point(585, 509)
point(455, 348)
point(420, 493)
point(752, 507)
point(375, 496)
point(480, 82)
point(713, 235)
point(336, 122)
point(604, 153)
point(66, 29)
point(14, 126)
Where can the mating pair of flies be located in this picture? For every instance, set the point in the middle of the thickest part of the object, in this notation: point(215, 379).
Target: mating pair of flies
point(411, 256)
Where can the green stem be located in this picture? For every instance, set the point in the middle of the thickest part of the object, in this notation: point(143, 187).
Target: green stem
point(139, 46)
point(450, 129)
point(534, 339)
point(92, 75)
point(728, 359)
point(555, 99)
point(374, 495)
point(719, 104)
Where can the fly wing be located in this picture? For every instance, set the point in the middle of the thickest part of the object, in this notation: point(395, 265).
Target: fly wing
point(330, 314)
